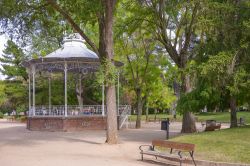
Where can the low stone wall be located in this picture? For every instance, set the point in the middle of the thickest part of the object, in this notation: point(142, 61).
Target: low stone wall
point(66, 123)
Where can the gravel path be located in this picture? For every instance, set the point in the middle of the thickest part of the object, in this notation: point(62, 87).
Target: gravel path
point(21, 147)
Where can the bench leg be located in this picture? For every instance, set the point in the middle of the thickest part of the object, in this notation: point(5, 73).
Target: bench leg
point(193, 161)
point(180, 162)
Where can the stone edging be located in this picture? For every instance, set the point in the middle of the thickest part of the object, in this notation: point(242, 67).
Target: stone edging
point(213, 163)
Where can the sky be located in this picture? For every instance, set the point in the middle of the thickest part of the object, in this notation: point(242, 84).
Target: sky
point(3, 41)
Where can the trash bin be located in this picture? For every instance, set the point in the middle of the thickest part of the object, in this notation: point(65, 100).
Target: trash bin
point(165, 126)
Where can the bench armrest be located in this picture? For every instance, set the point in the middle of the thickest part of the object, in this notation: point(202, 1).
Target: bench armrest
point(184, 154)
point(143, 146)
point(179, 154)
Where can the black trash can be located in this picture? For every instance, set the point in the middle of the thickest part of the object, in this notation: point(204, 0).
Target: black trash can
point(165, 126)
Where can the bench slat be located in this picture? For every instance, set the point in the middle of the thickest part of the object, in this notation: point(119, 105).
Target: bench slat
point(174, 145)
point(162, 155)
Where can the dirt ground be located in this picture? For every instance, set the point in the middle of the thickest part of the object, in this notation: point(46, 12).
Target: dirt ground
point(21, 147)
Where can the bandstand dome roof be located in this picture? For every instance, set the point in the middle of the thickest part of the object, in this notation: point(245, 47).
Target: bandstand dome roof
point(74, 52)
point(73, 47)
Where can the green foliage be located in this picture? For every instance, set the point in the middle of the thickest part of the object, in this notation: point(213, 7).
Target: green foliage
point(16, 94)
point(3, 96)
point(1, 115)
point(145, 69)
point(21, 109)
point(220, 68)
point(93, 89)
point(13, 92)
point(22, 118)
point(160, 96)
point(11, 62)
point(107, 73)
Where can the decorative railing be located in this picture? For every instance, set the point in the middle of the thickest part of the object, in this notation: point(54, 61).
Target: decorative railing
point(124, 112)
point(74, 110)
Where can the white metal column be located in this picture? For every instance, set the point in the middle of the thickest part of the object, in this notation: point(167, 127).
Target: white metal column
point(34, 89)
point(103, 112)
point(49, 92)
point(30, 111)
point(65, 90)
point(118, 95)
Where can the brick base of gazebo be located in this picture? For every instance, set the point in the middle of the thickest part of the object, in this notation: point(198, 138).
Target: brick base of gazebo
point(66, 123)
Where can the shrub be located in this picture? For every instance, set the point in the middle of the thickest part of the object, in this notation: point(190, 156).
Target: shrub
point(1, 115)
point(20, 109)
point(22, 119)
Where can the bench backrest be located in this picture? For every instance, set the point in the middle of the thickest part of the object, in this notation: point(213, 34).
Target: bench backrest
point(174, 145)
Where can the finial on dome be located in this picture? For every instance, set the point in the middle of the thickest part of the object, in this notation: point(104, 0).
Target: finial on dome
point(74, 37)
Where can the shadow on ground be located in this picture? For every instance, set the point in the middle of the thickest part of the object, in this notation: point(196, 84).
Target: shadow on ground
point(16, 134)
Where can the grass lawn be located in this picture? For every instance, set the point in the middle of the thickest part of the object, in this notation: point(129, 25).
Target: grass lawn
point(228, 145)
point(219, 116)
point(222, 116)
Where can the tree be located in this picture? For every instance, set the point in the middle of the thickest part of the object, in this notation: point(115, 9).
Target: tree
point(160, 95)
point(226, 66)
point(138, 51)
point(3, 97)
point(144, 69)
point(221, 69)
point(15, 89)
point(11, 62)
point(173, 24)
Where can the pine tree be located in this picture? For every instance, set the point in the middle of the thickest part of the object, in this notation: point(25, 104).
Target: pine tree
point(11, 62)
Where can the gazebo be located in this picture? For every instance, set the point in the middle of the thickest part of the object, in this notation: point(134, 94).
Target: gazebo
point(73, 57)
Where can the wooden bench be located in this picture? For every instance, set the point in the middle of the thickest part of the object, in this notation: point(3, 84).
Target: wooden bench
point(212, 125)
point(176, 150)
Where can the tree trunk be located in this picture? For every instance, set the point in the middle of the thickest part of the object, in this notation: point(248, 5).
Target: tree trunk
point(79, 91)
point(112, 134)
point(139, 108)
point(188, 121)
point(155, 111)
point(233, 113)
point(147, 113)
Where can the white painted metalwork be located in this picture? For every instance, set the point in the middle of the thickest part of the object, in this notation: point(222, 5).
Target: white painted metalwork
point(34, 89)
point(103, 91)
point(76, 110)
point(65, 90)
point(118, 87)
point(30, 113)
point(49, 91)
point(124, 113)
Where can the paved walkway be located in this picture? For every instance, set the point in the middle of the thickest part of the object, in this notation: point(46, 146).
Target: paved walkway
point(21, 147)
